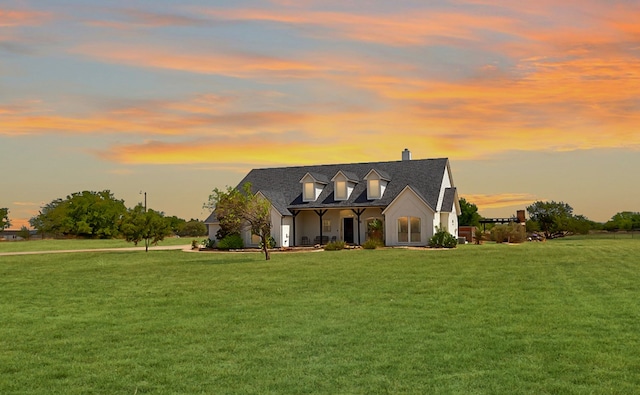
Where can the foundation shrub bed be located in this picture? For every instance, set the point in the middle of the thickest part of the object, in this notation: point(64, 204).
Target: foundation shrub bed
point(335, 246)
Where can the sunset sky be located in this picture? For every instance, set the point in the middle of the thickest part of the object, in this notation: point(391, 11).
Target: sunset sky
point(528, 100)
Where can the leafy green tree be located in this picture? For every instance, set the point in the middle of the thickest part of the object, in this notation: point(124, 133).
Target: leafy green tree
point(240, 209)
point(625, 220)
point(553, 218)
point(133, 224)
point(468, 214)
point(176, 224)
point(84, 214)
point(580, 224)
point(4, 219)
point(193, 228)
point(157, 226)
point(53, 219)
point(24, 232)
point(138, 224)
point(225, 205)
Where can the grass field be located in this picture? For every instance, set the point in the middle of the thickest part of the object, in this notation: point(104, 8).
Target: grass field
point(78, 244)
point(560, 317)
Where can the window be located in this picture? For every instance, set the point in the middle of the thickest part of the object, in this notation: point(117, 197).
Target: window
point(309, 191)
point(414, 228)
point(326, 225)
point(373, 189)
point(255, 239)
point(341, 190)
point(403, 230)
point(409, 229)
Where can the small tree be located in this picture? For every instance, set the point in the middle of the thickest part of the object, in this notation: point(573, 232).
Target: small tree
point(193, 228)
point(150, 225)
point(238, 209)
point(469, 215)
point(552, 217)
point(4, 219)
point(24, 232)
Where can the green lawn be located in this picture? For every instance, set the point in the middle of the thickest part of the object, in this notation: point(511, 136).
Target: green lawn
point(560, 317)
point(81, 244)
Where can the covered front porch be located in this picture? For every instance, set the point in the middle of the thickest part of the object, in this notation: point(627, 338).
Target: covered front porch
point(351, 225)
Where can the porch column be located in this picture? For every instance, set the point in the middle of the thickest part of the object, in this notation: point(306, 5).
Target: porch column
point(320, 214)
point(358, 212)
point(294, 213)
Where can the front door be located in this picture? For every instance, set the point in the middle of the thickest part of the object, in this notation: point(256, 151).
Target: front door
point(348, 230)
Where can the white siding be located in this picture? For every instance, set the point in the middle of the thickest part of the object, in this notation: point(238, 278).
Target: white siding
point(408, 204)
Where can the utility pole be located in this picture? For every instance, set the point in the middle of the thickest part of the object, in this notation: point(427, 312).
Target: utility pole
point(146, 239)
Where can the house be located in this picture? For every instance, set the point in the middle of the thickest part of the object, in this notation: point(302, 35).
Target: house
point(408, 198)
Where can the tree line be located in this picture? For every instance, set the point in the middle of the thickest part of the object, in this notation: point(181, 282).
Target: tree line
point(556, 219)
point(100, 215)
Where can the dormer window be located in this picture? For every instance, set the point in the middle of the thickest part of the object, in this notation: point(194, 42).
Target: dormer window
point(341, 190)
point(343, 184)
point(309, 191)
point(312, 185)
point(373, 189)
point(376, 184)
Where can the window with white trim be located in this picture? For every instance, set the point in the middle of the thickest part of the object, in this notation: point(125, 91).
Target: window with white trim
point(341, 190)
point(326, 225)
point(309, 192)
point(373, 189)
point(409, 230)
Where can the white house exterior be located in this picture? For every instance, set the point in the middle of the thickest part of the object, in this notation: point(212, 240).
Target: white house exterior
point(318, 204)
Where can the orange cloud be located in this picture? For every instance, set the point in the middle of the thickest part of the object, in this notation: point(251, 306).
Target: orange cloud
point(242, 65)
point(256, 152)
point(10, 18)
point(203, 114)
point(414, 28)
point(500, 200)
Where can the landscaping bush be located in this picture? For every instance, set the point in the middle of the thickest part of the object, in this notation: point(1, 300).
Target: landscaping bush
point(372, 244)
point(271, 242)
point(232, 241)
point(443, 239)
point(508, 233)
point(335, 246)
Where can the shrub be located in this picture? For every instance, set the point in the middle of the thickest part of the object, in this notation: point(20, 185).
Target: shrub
point(372, 244)
point(232, 241)
point(271, 242)
point(508, 233)
point(24, 233)
point(443, 239)
point(335, 246)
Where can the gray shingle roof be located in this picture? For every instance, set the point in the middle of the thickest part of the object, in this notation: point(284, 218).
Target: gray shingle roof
point(448, 200)
point(282, 185)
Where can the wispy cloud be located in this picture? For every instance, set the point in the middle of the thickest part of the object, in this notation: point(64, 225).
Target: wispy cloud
point(403, 28)
point(134, 18)
point(500, 200)
point(256, 152)
point(230, 63)
point(21, 17)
